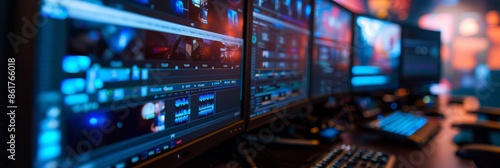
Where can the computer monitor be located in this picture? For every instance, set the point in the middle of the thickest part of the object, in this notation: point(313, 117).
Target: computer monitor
point(331, 49)
point(377, 50)
point(137, 82)
point(278, 58)
point(421, 59)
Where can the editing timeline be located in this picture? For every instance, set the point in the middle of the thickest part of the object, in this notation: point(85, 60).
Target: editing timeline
point(148, 73)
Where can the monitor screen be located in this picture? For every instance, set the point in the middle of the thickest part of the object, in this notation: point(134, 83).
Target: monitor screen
point(421, 60)
point(331, 49)
point(278, 60)
point(124, 82)
point(377, 48)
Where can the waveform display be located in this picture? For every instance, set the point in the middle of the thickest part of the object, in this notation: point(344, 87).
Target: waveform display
point(182, 102)
point(182, 112)
point(181, 119)
point(205, 97)
point(182, 116)
point(206, 109)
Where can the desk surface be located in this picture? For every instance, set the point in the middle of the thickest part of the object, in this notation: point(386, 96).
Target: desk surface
point(439, 152)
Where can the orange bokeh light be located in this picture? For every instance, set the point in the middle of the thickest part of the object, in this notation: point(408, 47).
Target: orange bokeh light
point(465, 50)
point(353, 5)
point(401, 8)
point(445, 53)
point(492, 18)
point(439, 22)
point(379, 7)
point(493, 59)
point(468, 27)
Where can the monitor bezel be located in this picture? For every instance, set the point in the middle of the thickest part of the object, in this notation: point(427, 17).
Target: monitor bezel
point(414, 83)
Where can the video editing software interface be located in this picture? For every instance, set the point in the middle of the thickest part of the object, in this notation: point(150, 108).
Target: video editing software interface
point(421, 56)
point(279, 44)
point(377, 48)
point(125, 81)
point(332, 48)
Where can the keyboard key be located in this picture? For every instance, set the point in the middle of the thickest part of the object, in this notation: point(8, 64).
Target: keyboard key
point(383, 159)
point(352, 156)
point(402, 123)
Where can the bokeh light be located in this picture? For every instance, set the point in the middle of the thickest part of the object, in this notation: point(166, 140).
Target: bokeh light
point(468, 27)
point(492, 18)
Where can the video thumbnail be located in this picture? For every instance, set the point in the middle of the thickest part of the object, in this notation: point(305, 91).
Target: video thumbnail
point(333, 22)
point(125, 122)
point(378, 43)
point(154, 111)
point(199, 11)
point(105, 42)
point(175, 7)
point(184, 48)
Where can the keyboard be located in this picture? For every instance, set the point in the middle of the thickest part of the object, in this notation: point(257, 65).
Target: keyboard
point(346, 156)
point(400, 123)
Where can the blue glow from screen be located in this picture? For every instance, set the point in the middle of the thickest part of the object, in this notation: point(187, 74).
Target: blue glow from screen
point(279, 26)
point(119, 94)
point(75, 64)
point(49, 138)
point(76, 99)
point(119, 124)
point(102, 96)
point(179, 7)
point(394, 105)
point(72, 86)
point(94, 36)
point(98, 83)
point(93, 121)
point(369, 80)
point(49, 152)
point(299, 5)
point(308, 11)
point(329, 132)
point(135, 159)
point(120, 165)
point(107, 75)
point(232, 17)
point(54, 11)
point(144, 91)
point(144, 74)
point(118, 42)
point(145, 2)
point(365, 70)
